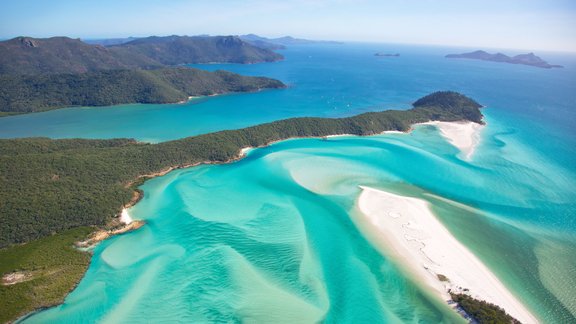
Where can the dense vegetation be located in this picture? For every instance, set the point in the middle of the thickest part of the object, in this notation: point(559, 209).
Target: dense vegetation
point(52, 267)
point(483, 312)
point(26, 55)
point(452, 102)
point(47, 186)
point(30, 93)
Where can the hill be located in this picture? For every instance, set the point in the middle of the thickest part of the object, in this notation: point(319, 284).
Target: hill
point(174, 50)
point(524, 59)
point(26, 55)
point(31, 93)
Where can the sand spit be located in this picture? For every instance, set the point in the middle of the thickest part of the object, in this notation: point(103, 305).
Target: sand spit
point(101, 235)
point(464, 135)
point(406, 229)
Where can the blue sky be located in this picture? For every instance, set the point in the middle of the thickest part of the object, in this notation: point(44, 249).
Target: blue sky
point(521, 24)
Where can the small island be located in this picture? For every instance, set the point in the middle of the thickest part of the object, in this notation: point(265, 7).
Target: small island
point(387, 54)
point(525, 59)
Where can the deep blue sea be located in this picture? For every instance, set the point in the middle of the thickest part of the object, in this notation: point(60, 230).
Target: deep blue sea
point(270, 238)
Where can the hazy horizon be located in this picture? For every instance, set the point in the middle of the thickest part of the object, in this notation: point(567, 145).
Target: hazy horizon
point(523, 25)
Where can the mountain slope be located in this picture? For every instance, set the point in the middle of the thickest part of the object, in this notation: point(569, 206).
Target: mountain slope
point(173, 50)
point(26, 55)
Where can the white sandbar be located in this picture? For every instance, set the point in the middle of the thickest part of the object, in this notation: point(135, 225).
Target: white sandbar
point(406, 229)
point(464, 135)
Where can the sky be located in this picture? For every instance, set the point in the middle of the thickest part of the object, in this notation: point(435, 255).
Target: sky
point(516, 24)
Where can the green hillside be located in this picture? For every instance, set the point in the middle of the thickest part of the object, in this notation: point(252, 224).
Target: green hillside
point(173, 50)
point(27, 55)
point(31, 93)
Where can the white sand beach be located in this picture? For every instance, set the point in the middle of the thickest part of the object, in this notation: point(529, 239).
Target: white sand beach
point(125, 217)
point(464, 135)
point(405, 229)
point(245, 150)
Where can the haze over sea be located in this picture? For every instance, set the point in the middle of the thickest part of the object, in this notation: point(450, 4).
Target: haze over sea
point(272, 237)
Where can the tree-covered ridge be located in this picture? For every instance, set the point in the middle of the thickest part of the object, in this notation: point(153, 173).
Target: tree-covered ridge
point(30, 93)
point(173, 50)
point(27, 55)
point(47, 186)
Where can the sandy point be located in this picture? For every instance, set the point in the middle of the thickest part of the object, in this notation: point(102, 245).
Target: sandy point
point(405, 229)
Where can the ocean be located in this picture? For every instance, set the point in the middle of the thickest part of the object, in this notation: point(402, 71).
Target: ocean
point(271, 238)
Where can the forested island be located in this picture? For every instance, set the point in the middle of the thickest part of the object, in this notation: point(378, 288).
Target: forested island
point(524, 59)
point(54, 191)
point(42, 74)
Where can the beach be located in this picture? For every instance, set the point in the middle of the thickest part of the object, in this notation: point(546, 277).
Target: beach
point(406, 229)
point(464, 135)
point(125, 217)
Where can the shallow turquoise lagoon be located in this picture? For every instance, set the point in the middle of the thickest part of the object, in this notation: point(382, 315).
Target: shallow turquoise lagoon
point(271, 238)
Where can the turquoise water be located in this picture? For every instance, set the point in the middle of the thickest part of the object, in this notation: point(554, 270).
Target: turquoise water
point(270, 238)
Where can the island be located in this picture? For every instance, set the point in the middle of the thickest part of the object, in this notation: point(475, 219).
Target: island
point(524, 59)
point(92, 181)
point(387, 54)
point(281, 42)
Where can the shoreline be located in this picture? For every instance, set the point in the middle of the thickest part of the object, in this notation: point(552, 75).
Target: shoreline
point(405, 229)
point(139, 194)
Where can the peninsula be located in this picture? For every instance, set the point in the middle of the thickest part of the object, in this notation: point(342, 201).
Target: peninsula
point(108, 173)
point(524, 59)
point(33, 93)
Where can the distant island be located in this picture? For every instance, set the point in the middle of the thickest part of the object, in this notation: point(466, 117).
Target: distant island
point(43, 74)
point(387, 54)
point(524, 59)
point(280, 42)
point(253, 39)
